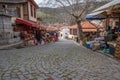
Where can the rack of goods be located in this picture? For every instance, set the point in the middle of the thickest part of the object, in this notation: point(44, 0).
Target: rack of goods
point(117, 49)
point(26, 37)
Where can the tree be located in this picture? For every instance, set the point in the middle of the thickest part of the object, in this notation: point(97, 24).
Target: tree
point(76, 9)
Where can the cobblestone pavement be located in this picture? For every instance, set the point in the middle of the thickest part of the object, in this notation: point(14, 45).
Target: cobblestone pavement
point(63, 60)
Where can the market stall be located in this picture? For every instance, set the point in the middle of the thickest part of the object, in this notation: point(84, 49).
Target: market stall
point(53, 33)
point(110, 13)
point(26, 28)
point(29, 30)
point(117, 48)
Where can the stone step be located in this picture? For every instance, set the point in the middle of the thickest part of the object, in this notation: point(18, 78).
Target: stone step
point(10, 45)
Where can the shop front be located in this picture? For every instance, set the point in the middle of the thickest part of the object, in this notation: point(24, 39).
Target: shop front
point(28, 30)
point(53, 33)
point(112, 27)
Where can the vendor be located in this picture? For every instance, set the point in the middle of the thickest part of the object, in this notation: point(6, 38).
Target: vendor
point(118, 30)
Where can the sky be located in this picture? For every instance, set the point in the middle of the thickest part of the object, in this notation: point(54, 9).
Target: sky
point(42, 3)
point(38, 1)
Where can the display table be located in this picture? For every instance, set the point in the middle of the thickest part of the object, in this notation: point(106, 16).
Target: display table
point(93, 45)
point(96, 46)
point(112, 43)
point(99, 39)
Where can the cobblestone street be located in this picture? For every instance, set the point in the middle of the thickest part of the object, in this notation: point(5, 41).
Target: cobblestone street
point(63, 60)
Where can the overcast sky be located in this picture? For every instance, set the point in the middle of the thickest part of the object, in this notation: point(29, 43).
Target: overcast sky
point(38, 1)
point(42, 3)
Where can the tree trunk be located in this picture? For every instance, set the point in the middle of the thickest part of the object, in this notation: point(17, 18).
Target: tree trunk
point(98, 32)
point(79, 31)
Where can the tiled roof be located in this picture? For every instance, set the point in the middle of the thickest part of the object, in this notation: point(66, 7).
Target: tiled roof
point(64, 27)
point(85, 25)
point(51, 29)
point(89, 30)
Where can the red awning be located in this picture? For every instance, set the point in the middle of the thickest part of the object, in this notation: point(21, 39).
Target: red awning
point(41, 28)
point(25, 22)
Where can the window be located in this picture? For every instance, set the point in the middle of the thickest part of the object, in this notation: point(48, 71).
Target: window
point(34, 13)
point(14, 11)
point(4, 6)
point(31, 10)
point(18, 11)
point(74, 31)
point(70, 31)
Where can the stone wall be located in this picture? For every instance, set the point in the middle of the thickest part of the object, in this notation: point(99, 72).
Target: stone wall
point(7, 36)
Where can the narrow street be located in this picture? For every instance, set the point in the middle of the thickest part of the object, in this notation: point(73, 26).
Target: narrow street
point(63, 60)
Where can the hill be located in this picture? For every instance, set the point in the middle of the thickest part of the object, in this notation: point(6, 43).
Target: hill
point(60, 15)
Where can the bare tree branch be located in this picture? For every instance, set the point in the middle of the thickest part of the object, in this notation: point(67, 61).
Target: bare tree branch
point(85, 8)
point(64, 6)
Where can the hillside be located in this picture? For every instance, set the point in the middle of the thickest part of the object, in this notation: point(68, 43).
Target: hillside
point(60, 15)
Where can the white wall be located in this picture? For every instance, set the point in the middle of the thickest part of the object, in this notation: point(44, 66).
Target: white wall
point(65, 32)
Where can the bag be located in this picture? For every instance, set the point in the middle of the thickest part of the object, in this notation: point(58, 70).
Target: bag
point(42, 42)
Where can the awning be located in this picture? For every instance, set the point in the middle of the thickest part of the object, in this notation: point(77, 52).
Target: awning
point(51, 29)
point(25, 22)
point(108, 5)
point(100, 15)
point(41, 28)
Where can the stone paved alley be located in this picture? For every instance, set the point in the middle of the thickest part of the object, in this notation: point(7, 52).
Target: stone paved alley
point(63, 60)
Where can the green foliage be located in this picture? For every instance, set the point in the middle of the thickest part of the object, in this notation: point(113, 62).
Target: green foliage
point(52, 15)
point(47, 18)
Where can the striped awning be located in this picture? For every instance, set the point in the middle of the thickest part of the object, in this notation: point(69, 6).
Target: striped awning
point(108, 5)
point(100, 15)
